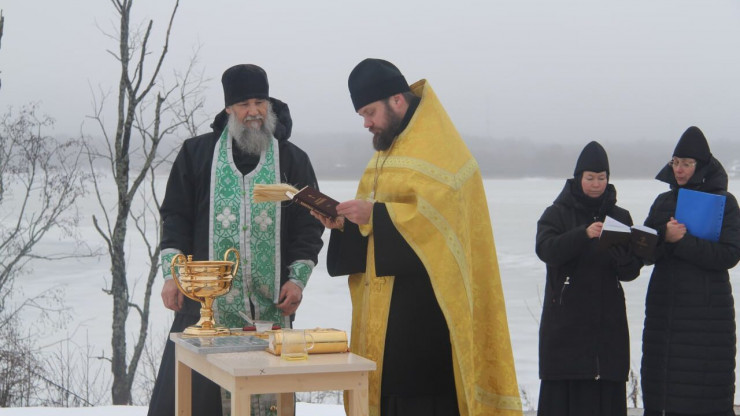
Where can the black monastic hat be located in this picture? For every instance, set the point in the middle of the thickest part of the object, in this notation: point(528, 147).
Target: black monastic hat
point(244, 81)
point(375, 79)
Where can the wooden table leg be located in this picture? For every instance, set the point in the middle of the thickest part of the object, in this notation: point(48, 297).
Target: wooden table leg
point(183, 389)
point(241, 404)
point(286, 404)
point(358, 397)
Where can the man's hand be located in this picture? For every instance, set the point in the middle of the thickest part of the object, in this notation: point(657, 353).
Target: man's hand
point(171, 295)
point(357, 210)
point(594, 230)
point(337, 222)
point(674, 231)
point(290, 297)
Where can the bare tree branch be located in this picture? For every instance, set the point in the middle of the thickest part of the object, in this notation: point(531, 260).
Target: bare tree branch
point(2, 23)
point(46, 181)
point(143, 119)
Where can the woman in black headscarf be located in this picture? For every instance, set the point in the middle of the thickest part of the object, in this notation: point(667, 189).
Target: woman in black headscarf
point(688, 343)
point(584, 339)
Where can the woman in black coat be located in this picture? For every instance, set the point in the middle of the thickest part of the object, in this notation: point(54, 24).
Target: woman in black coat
point(688, 343)
point(584, 339)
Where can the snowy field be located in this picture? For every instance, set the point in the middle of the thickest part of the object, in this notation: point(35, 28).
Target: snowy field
point(515, 206)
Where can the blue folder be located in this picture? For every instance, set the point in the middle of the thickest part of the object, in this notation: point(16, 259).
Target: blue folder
point(701, 212)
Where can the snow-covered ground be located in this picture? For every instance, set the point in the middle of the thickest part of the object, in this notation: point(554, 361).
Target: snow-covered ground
point(515, 206)
point(302, 409)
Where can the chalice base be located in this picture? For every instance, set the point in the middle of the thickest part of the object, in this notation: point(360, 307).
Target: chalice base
point(206, 326)
point(199, 331)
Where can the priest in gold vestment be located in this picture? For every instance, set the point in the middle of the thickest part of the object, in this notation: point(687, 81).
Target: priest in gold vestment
point(427, 301)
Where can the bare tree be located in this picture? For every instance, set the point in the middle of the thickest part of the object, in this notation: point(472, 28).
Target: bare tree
point(634, 392)
point(73, 376)
point(40, 182)
point(17, 368)
point(132, 153)
point(151, 358)
point(2, 22)
point(183, 105)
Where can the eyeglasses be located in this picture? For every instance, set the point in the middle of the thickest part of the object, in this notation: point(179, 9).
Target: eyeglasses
point(682, 163)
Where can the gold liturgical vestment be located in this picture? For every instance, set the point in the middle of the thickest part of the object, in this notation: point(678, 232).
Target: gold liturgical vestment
point(433, 190)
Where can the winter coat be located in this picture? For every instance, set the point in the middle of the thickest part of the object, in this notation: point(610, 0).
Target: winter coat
point(186, 206)
point(688, 343)
point(583, 330)
point(185, 215)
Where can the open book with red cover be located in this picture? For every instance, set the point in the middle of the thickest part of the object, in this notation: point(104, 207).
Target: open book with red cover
point(307, 197)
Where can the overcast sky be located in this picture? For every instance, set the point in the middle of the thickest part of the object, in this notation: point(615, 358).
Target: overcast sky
point(544, 70)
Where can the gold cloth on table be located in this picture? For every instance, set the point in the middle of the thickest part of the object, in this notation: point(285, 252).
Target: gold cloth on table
point(325, 340)
point(434, 193)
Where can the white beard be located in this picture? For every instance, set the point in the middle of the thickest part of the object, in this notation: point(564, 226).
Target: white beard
point(250, 140)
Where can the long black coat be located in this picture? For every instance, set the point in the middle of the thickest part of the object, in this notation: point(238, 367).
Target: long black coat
point(688, 343)
point(415, 321)
point(583, 330)
point(185, 226)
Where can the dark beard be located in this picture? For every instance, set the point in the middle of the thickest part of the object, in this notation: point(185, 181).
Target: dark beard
point(384, 138)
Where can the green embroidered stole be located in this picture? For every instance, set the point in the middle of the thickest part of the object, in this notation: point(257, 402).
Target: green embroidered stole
point(253, 229)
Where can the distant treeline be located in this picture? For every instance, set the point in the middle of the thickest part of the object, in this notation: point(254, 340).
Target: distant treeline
point(344, 156)
point(337, 156)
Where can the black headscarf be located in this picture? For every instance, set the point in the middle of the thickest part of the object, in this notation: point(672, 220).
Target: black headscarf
point(693, 144)
point(593, 158)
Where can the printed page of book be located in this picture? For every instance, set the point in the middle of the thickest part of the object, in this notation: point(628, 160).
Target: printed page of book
point(645, 229)
point(610, 224)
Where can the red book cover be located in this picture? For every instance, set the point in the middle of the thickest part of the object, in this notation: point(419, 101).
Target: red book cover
point(314, 200)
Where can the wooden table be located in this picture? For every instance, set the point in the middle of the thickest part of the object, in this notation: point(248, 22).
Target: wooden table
point(259, 372)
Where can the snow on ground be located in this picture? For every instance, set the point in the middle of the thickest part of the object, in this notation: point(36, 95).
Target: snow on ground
point(515, 206)
point(302, 409)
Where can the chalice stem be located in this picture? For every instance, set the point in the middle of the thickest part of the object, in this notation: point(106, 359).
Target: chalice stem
point(206, 313)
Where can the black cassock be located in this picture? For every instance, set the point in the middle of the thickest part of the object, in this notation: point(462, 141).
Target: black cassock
point(417, 361)
point(185, 217)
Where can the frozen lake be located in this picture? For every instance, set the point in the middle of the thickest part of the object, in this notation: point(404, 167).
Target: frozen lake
point(515, 206)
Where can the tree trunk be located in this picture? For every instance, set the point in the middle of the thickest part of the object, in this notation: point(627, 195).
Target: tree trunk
point(121, 386)
point(132, 92)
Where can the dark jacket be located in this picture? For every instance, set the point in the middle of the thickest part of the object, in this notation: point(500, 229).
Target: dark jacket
point(185, 215)
point(186, 206)
point(688, 350)
point(583, 330)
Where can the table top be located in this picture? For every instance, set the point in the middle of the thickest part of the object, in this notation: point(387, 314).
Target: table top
point(260, 363)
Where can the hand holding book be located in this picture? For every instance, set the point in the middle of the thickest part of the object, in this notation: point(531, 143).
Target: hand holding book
point(640, 239)
point(308, 197)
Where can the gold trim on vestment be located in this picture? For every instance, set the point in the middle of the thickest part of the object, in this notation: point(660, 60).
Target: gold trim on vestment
point(453, 243)
point(433, 191)
point(497, 401)
point(453, 180)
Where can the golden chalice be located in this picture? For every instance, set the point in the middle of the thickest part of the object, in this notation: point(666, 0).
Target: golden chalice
point(204, 281)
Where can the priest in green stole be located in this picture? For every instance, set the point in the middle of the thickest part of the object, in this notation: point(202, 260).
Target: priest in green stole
point(417, 242)
point(208, 209)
